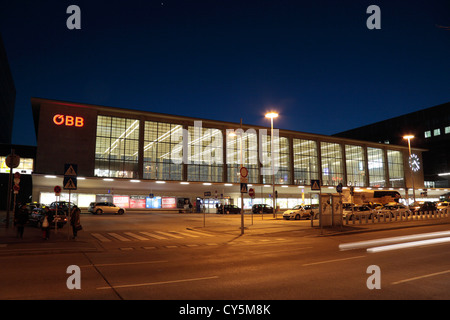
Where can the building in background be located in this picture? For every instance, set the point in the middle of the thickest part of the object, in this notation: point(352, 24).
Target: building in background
point(431, 130)
point(143, 159)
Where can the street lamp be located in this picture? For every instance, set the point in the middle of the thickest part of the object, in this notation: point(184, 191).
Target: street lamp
point(409, 137)
point(271, 115)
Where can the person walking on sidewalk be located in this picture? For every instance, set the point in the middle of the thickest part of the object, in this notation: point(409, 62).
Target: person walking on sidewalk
point(20, 219)
point(75, 221)
point(48, 219)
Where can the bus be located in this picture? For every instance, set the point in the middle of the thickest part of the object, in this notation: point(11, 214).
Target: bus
point(361, 196)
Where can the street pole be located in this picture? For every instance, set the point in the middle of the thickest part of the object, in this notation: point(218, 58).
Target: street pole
point(273, 170)
point(242, 194)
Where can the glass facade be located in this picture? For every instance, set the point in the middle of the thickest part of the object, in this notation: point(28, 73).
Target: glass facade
point(162, 151)
point(332, 169)
point(395, 166)
point(281, 159)
point(375, 158)
point(116, 148)
point(355, 164)
point(205, 160)
point(306, 166)
point(177, 152)
point(249, 155)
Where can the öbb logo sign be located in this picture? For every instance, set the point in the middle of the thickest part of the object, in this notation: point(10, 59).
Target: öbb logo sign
point(68, 121)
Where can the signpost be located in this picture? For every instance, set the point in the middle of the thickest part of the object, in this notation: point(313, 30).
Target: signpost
point(12, 161)
point(69, 183)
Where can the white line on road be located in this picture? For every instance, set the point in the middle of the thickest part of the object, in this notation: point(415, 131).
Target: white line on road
point(154, 235)
point(118, 236)
point(169, 234)
point(122, 263)
point(136, 236)
point(330, 261)
point(98, 236)
point(186, 234)
point(157, 283)
point(422, 277)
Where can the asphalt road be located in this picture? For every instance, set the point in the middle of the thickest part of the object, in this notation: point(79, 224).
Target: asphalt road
point(189, 262)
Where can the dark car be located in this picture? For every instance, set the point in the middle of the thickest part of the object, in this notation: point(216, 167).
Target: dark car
point(62, 206)
point(262, 208)
point(36, 217)
point(229, 208)
point(428, 207)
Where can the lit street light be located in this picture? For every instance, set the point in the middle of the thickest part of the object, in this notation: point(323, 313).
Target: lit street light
point(271, 116)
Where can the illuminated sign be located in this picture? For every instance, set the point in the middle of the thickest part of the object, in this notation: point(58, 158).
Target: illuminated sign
point(68, 121)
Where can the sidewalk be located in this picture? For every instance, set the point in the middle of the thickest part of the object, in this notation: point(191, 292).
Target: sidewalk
point(33, 243)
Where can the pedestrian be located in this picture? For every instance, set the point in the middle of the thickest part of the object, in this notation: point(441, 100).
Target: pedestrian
point(46, 223)
point(20, 219)
point(75, 221)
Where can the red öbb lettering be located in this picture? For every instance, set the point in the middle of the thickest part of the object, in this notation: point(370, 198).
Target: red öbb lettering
point(68, 121)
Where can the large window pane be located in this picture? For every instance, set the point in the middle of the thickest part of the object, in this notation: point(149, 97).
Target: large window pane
point(116, 148)
point(332, 172)
point(395, 165)
point(249, 155)
point(162, 147)
point(376, 167)
point(306, 166)
point(354, 158)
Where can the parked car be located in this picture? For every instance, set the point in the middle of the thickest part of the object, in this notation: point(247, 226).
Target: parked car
point(262, 208)
point(358, 212)
point(105, 207)
point(61, 205)
point(313, 209)
point(428, 207)
point(443, 206)
point(393, 209)
point(37, 217)
point(298, 212)
point(228, 208)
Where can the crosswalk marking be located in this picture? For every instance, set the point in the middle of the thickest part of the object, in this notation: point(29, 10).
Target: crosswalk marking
point(154, 235)
point(100, 237)
point(200, 233)
point(136, 236)
point(187, 234)
point(118, 236)
point(169, 234)
point(146, 236)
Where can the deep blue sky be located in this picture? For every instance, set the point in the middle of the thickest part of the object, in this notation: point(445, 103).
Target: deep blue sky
point(313, 61)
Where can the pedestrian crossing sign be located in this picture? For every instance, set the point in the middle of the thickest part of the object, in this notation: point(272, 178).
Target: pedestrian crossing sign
point(70, 183)
point(70, 169)
point(315, 185)
point(244, 188)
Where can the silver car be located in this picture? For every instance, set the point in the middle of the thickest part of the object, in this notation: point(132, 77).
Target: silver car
point(105, 207)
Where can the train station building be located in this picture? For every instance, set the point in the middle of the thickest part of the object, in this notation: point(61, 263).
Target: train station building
point(147, 160)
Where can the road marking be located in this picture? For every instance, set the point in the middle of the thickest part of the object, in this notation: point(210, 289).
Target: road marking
point(330, 261)
point(169, 234)
point(118, 236)
point(122, 263)
point(186, 234)
point(200, 233)
point(154, 235)
point(98, 236)
point(157, 283)
point(136, 236)
point(422, 277)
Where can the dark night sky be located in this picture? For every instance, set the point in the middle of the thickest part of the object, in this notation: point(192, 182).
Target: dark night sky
point(313, 61)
